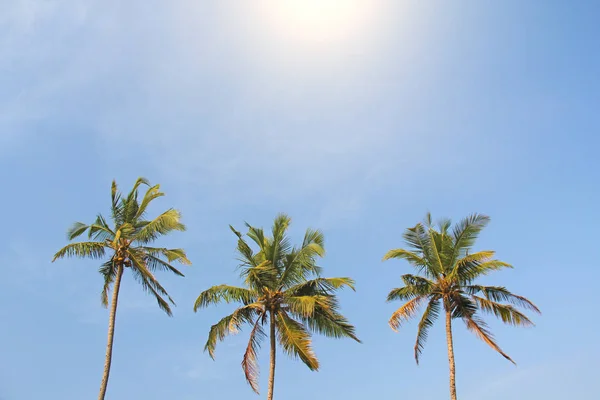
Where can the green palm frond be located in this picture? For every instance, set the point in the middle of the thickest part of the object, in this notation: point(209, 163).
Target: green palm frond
point(280, 243)
point(151, 194)
point(77, 229)
point(154, 263)
point(116, 205)
point(411, 257)
point(109, 272)
point(470, 263)
point(473, 270)
point(258, 236)
point(295, 340)
point(429, 316)
point(163, 224)
point(499, 293)
point(305, 306)
point(466, 232)
point(225, 293)
point(100, 231)
point(170, 254)
point(301, 263)
point(328, 322)
point(321, 286)
point(82, 250)
point(507, 313)
point(150, 284)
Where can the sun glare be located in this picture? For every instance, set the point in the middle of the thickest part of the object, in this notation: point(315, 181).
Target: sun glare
point(322, 20)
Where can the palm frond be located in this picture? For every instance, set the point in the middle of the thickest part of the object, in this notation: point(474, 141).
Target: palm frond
point(93, 250)
point(499, 293)
point(507, 313)
point(100, 231)
point(249, 361)
point(261, 276)
point(116, 204)
point(418, 239)
point(225, 293)
point(149, 282)
point(406, 312)
point(280, 244)
point(178, 255)
point(466, 232)
point(230, 324)
point(108, 270)
point(472, 270)
point(305, 305)
point(410, 292)
point(295, 340)
point(479, 328)
point(165, 223)
point(320, 286)
point(258, 236)
point(429, 316)
point(402, 254)
point(77, 229)
point(328, 322)
point(301, 263)
point(470, 263)
point(151, 194)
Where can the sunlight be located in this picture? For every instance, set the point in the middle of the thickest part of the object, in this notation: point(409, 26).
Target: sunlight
point(321, 20)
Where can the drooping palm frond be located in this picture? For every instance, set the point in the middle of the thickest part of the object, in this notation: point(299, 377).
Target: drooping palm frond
point(499, 293)
point(427, 320)
point(109, 272)
point(295, 340)
point(249, 361)
point(231, 324)
point(480, 329)
point(406, 312)
point(507, 313)
point(329, 322)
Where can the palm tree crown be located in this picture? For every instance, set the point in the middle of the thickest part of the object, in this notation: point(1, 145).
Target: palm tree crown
point(447, 270)
point(283, 290)
point(127, 241)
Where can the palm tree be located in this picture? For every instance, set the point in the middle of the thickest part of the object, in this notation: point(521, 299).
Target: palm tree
point(446, 273)
point(279, 296)
point(125, 243)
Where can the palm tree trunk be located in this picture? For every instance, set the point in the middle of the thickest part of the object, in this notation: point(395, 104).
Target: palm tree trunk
point(451, 355)
point(272, 364)
point(111, 332)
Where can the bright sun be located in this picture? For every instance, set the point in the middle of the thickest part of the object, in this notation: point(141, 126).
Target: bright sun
point(323, 20)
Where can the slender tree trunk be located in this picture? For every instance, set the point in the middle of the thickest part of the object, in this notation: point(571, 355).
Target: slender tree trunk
point(272, 365)
point(451, 355)
point(111, 332)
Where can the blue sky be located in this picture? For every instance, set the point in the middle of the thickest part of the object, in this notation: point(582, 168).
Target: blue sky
point(357, 125)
